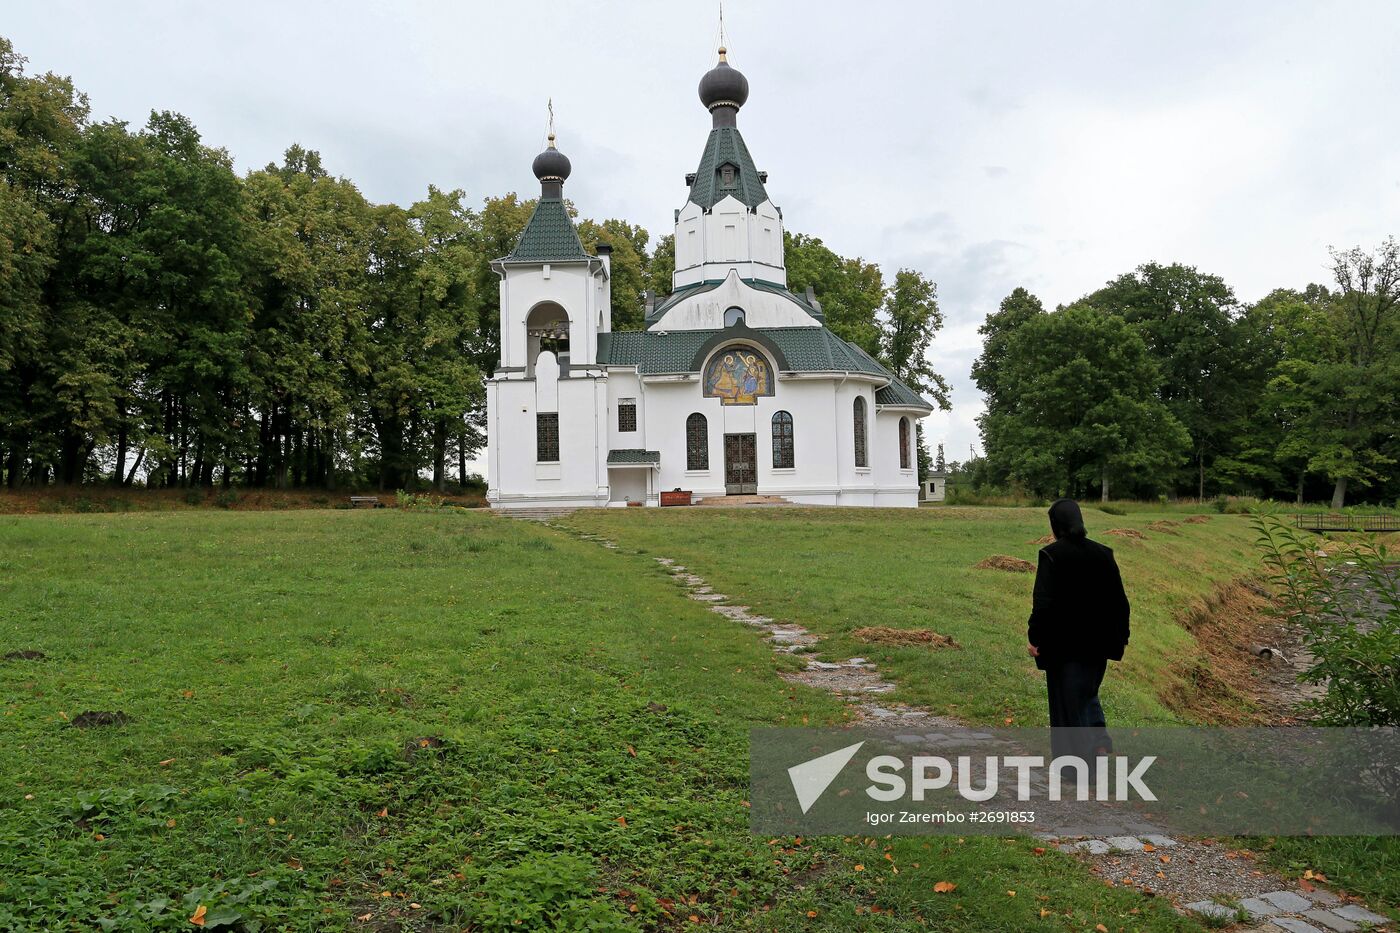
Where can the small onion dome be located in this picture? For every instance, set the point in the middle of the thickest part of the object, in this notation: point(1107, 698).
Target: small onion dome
point(551, 165)
point(723, 86)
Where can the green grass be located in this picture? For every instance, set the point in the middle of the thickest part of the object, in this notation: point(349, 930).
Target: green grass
point(283, 672)
point(836, 570)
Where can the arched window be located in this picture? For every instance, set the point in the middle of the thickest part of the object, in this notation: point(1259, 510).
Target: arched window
point(783, 458)
point(904, 443)
point(697, 443)
point(546, 328)
point(733, 315)
point(858, 409)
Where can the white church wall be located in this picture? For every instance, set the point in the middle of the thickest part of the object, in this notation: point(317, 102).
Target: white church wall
point(571, 286)
point(705, 311)
point(628, 485)
point(729, 236)
point(626, 385)
point(579, 477)
point(896, 486)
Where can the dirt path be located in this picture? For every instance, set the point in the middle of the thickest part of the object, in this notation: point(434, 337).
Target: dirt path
point(1198, 875)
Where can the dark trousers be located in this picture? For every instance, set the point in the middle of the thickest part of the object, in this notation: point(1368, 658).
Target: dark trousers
point(1077, 725)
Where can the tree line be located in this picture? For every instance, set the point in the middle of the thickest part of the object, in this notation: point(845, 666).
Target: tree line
point(1163, 383)
point(165, 321)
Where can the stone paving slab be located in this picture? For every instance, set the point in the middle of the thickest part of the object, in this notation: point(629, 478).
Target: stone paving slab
point(1211, 909)
point(1287, 902)
point(1258, 907)
point(1360, 914)
point(1125, 843)
point(1294, 925)
point(1331, 920)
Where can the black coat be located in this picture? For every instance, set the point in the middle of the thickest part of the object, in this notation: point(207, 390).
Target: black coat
point(1079, 611)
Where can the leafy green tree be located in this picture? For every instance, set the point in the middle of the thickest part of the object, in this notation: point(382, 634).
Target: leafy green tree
point(1340, 378)
point(851, 291)
point(1015, 309)
point(661, 266)
point(1080, 407)
point(909, 320)
point(1187, 319)
point(307, 344)
point(629, 258)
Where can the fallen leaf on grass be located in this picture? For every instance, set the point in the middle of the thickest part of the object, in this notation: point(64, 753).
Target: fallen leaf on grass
point(197, 918)
point(1164, 859)
point(383, 812)
point(1100, 928)
point(166, 763)
point(943, 887)
point(621, 821)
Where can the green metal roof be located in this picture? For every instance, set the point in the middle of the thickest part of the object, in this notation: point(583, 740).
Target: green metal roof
point(725, 145)
point(549, 236)
point(699, 288)
point(897, 393)
point(804, 349)
point(629, 456)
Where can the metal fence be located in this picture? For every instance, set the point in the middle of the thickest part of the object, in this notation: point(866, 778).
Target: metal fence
point(1320, 521)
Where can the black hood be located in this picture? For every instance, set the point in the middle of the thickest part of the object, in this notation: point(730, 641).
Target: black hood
point(1066, 520)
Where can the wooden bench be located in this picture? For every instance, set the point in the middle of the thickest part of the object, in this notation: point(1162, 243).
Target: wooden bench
point(365, 502)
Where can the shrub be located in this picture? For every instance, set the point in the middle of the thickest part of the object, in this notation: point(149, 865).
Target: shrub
point(226, 499)
point(418, 501)
point(1353, 632)
point(1109, 509)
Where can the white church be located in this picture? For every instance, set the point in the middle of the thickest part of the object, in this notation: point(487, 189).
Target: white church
point(735, 387)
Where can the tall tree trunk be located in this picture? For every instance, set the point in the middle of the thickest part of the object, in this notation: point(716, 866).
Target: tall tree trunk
point(119, 469)
point(12, 466)
point(1103, 490)
point(440, 454)
point(462, 458)
point(1339, 493)
point(1302, 474)
point(131, 475)
point(259, 468)
point(1201, 481)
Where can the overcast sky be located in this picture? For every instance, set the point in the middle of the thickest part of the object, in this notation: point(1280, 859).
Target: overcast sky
point(1050, 145)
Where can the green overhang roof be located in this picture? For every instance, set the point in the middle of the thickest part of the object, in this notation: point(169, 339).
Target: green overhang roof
point(633, 456)
point(725, 145)
point(803, 349)
point(549, 236)
point(900, 395)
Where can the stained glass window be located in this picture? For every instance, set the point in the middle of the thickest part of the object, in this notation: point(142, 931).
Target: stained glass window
point(547, 437)
point(738, 375)
point(782, 441)
point(697, 443)
point(904, 443)
point(862, 459)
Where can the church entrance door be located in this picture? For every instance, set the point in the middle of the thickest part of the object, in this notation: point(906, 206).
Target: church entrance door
point(740, 464)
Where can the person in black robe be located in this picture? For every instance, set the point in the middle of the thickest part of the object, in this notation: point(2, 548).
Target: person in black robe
point(1078, 623)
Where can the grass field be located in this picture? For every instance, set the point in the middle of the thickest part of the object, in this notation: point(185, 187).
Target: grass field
point(837, 570)
point(390, 720)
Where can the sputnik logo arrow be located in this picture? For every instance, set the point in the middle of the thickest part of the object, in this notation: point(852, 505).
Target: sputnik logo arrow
point(811, 778)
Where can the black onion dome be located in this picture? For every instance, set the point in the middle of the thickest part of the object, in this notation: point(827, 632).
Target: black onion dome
point(551, 165)
point(723, 86)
